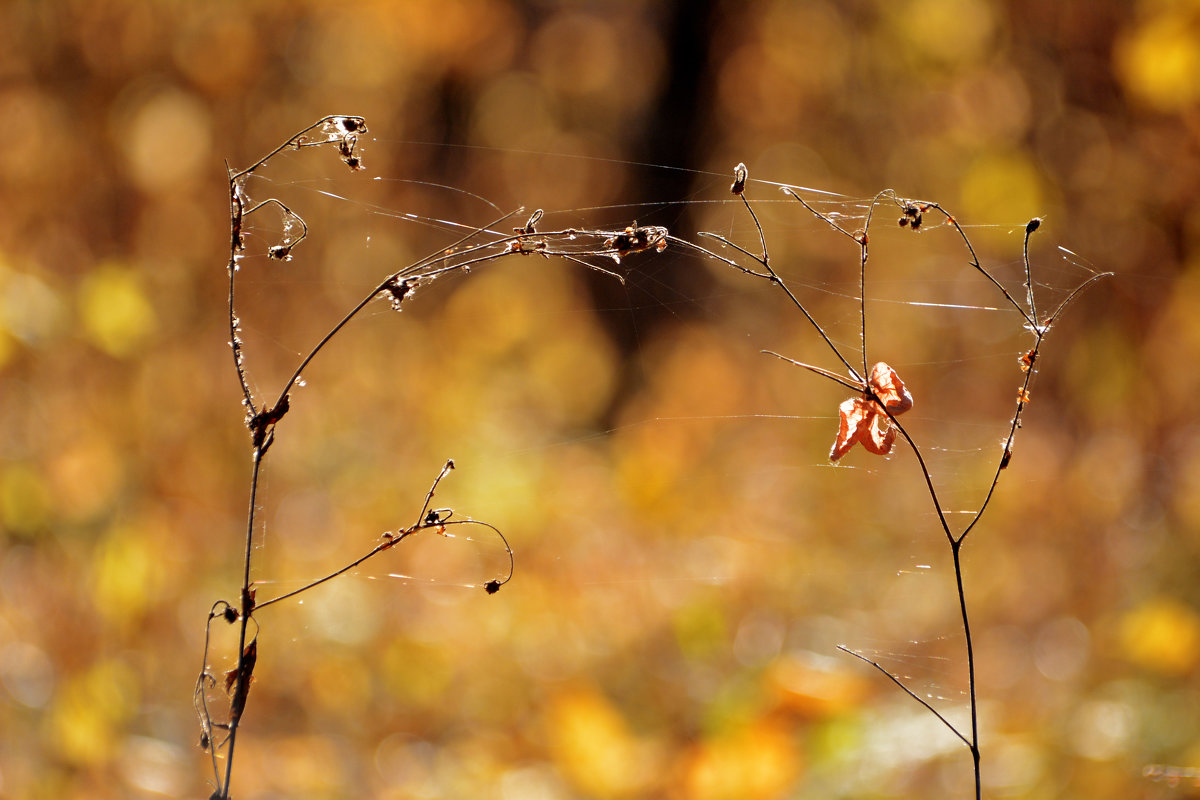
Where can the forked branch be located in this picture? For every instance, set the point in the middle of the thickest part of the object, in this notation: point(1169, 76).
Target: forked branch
point(883, 396)
point(595, 249)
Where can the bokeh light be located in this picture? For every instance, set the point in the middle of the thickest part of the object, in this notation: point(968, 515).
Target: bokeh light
point(687, 560)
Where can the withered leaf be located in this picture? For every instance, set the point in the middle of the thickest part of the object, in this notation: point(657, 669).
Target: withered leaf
point(861, 419)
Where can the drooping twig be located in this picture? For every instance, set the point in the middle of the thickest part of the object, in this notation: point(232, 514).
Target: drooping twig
point(427, 520)
point(896, 680)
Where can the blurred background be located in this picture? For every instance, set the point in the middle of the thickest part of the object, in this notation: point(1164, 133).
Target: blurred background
point(687, 560)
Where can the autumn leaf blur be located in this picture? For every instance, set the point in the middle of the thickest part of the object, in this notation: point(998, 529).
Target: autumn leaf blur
point(687, 560)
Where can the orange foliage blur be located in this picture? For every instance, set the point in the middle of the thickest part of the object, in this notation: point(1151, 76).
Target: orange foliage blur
point(686, 562)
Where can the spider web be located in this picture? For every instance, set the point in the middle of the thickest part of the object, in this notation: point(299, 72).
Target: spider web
point(631, 439)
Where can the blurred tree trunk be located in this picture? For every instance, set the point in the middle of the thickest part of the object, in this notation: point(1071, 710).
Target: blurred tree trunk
point(671, 135)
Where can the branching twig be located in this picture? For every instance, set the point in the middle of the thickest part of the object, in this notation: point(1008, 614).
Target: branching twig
point(591, 248)
point(769, 273)
point(912, 217)
point(896, 680)
point(427, 520)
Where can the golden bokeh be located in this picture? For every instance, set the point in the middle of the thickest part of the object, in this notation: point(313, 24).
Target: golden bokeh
point(687, 560)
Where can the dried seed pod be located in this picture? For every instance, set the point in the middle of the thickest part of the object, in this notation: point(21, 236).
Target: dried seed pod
point(739, 179)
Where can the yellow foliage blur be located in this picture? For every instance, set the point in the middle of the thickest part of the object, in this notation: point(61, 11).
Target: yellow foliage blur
point(116, 314)
point(595, 749)
point(1163, 635)
point(757, 763)
point(1159, 60)
point(686, 558)
point(24, 500)
point(86, 722)
point(127, 575)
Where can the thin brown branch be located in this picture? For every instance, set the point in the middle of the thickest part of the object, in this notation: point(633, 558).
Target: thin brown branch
point(896, 680)
point(849, 383)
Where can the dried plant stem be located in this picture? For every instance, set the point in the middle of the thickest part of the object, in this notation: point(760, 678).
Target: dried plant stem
point(896, 680)
point(913, 211)
point(972, 685)
point(590, 248)
point(241, 686)
point(772, 276)
point(392, 541)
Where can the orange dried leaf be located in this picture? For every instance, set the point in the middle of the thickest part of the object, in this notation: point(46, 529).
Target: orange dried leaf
point(861, 419)
point(876, 440)
point(890, 389)
point(854, 416)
